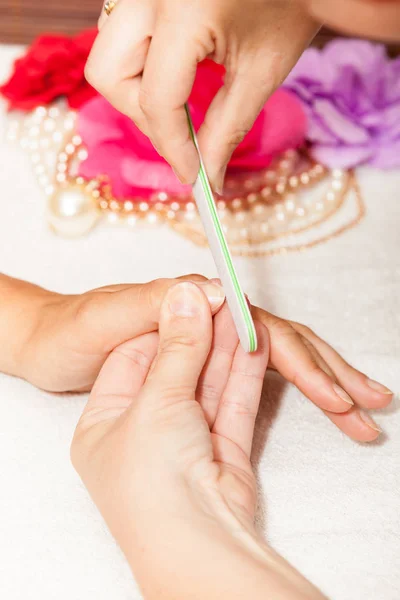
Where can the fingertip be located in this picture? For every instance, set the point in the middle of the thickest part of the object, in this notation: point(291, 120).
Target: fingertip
point(263, 339)
point(186, 165)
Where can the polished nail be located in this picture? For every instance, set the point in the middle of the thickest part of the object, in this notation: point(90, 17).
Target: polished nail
point(378, 387)
point(219, 180)
point(179, 177)
point(342, 394)
point(214, 292)
point(368, 420)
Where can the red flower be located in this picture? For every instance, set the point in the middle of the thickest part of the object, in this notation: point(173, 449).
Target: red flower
point(52, 67)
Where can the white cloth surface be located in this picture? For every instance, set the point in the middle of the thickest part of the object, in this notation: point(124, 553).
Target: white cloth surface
point(329, 505)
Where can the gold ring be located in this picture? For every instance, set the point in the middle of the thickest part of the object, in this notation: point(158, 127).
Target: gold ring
point(109, 6)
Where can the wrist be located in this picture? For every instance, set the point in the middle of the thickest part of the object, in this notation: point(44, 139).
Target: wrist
point(23, 308)
point(214, 549)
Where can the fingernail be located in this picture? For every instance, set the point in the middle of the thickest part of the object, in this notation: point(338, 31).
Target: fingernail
point(183, 300)
point(179, 176)
point(214, 292)
point(378, 387)
point(342, 394)
point(368, 420)
point(219, 181)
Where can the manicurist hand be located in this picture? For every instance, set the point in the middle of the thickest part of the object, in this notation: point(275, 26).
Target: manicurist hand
point(378, 19)
point(60, 342)
point(145, 57)
point(163, 447)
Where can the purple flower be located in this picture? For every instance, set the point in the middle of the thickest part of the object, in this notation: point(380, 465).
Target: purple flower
point(351, 94)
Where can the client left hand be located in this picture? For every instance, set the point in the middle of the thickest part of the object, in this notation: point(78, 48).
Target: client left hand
point(74, 335)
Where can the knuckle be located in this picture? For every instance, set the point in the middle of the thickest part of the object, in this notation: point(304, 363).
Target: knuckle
point(303, 329)
point(313, 372)
point(86, 307)
point(178, 343)
point(193, 277)
point(178, 393)
point(135, 356)
point(151, 293)
point(208, 392)
point(147, 104)
point(280, 326)
point(236, 136)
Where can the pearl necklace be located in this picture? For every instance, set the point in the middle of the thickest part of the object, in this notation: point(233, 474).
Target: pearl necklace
point(255, 208)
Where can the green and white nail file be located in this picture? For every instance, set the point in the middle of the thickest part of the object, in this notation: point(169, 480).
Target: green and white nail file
point(219, 248)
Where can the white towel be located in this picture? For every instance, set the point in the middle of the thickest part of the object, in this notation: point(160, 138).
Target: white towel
point(330, 506)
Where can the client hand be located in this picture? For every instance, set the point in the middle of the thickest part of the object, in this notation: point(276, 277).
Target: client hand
point(60, 342)
point(170, 471)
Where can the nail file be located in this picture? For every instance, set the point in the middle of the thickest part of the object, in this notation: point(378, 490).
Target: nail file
point(219, 248)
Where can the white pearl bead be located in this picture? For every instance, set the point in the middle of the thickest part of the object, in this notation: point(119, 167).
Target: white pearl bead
point(113, 218)
point(57, 137)
point(49, 125)
point(72, 212)
point(131, 220)
point(337, 173)
point(331, 196)
point(152, 218)
point(337, 184)
point(54, 112)
point(82, 154)
point(240, 216)
point(41, 111)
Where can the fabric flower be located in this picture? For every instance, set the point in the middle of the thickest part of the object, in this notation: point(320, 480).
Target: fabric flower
point(118, 149)
point(52, 67)
point(351, 94)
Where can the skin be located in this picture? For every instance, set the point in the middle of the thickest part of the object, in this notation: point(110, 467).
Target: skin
point(60, 343)
point(171, 477)
point(378, 19)
point(144, 62)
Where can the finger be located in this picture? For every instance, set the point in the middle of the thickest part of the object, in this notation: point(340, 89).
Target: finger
point(238, 408)
point(123, 373)
point(367, 393)
point(112, 318)
point(167, 82)
point(357, 424)
point(379, 19)
point(216, 372)
point(185, 339)
point(230, 117)
point(117, 59)
point(296, 362)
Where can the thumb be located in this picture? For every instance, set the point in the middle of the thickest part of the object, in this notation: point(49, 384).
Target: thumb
point(185, 334)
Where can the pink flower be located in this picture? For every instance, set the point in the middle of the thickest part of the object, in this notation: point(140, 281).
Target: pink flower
point(118, 149)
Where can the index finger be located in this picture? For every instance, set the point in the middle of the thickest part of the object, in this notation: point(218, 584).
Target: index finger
point(167, 82)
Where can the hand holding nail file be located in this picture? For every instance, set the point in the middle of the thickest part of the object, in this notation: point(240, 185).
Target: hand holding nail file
point(209, 216)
